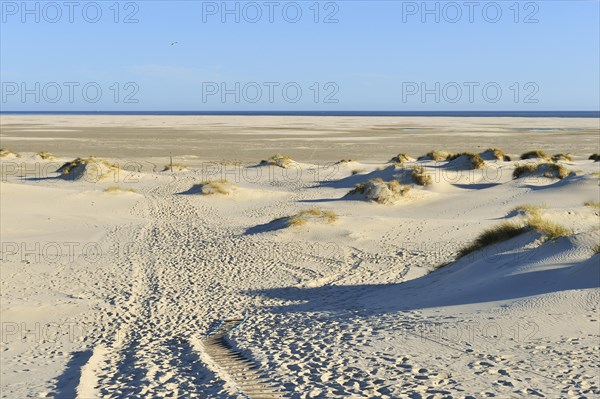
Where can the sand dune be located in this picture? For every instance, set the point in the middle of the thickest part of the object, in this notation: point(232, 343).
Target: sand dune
point(113, 294)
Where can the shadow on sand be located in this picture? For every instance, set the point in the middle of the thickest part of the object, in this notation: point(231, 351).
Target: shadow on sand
point(449, 286)
point(68, 381)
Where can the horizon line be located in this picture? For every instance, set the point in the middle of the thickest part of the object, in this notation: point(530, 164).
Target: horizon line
point(556, 113)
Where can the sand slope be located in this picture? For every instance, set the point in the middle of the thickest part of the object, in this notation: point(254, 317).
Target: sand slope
point(347, 309)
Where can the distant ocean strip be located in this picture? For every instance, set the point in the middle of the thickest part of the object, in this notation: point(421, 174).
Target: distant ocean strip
point(463, 114)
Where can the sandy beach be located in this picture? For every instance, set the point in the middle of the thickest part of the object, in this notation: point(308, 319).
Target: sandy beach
point(196, 139)
point(174, 263)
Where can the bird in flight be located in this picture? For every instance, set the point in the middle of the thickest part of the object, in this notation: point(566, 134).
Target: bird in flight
point(174, 43)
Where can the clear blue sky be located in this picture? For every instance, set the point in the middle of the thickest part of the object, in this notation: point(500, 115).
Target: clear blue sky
point(379, 55)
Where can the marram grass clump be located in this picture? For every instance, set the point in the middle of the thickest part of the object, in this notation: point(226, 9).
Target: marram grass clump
point(283, 161)
point(420, 176)
point(476, 160)
point(314, 214)
point(507, 230)
point(549, 229)
point(594, 157)
point(436, 155)
point(528, 209)
point(212, 187)
point(495, 153)
point(89, 168)
point(562, 157)
point(550, 170)
point(502, 232)
point(402, 158)
point(117, 189)
point(592, 204)
point(175, 167)
point(6, 153)
point(535, 154)
point(46, 156)
point(380, 191)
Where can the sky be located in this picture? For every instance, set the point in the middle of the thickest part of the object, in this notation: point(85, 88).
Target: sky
point(300, 56)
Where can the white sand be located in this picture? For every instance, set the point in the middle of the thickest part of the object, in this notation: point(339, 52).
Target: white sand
point(340, 310)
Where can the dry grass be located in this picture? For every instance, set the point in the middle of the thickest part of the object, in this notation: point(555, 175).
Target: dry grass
point(549, 229)
point(562, 157)
point(535, 154)
point(46, 156)
point(550, 170)
point(476, 160)
point(283, 161)
point(380, 191)
point(594, 157)
point(5, 153)
point(503, 232)
point(524, 170)
point(528, 209)
point(592, 204)
point(439, 156)
point(314, 214)
point(211, 187)
point(345, 161)
point(401, 158)
point(420, 176)
point(497, 153)
point(176, 167)
point(117, 189)
point(296, 221)
point(92, 162)
point(507, 230)
point(358, 171)
point(68, 166)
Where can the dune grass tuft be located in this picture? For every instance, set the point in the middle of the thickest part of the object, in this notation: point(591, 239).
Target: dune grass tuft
point(303, 217)
point(283, 161)
point(522, 170)
point(117, 189)
point(528, 209)
point(100, 168)
point(592, 204)
point(70, 165)
point(550, 170)
point(420, 176)
point(5, 153)
point(549, 229)
point(358, 171)
point(380, 191)
point(535, 154)
point(594, 157)
point(211, 187)
point(46, 156)
point(476, 160)
point(176, 167)
point(562, 157)
point(503, 232)
point(508, 230)
point(401, 158)
point(496, 153)
point(439, 156)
